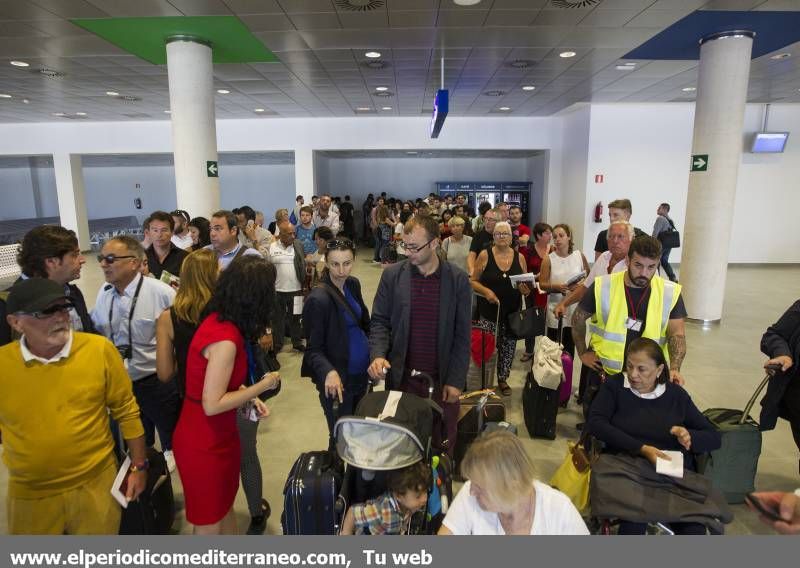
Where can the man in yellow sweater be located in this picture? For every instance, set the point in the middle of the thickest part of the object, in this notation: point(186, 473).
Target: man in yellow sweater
point(56, 386)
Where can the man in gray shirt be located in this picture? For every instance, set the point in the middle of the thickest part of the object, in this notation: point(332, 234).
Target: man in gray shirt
point(664, 223)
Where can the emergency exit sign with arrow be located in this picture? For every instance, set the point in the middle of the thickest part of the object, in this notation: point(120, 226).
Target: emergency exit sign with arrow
point(699, 162)
point(212, 170)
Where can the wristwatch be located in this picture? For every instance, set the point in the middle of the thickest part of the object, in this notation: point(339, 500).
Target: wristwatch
point(141, 466)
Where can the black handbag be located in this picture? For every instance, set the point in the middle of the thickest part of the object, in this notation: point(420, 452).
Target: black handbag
point(525, 323)
point(670, 238)
point(259, 363)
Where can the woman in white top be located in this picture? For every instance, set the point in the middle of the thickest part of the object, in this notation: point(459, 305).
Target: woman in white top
point(558, 268)
point(456, 246)
point(503, 497)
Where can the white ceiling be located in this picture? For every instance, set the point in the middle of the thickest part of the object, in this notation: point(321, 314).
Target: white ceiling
point(149, 160)
point(321, 51)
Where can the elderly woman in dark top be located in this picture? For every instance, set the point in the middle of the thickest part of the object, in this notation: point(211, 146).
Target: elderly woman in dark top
point(336, 326)
point(781, 343)
point(641, 412)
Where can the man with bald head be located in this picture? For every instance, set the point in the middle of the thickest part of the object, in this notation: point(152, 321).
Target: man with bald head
point(286, 253)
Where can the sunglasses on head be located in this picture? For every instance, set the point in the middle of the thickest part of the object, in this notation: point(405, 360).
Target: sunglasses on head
point(52, 310)
point(112, 258)
point(339, 244)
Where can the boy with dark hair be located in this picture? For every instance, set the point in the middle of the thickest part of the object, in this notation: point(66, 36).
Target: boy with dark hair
point(406, 493)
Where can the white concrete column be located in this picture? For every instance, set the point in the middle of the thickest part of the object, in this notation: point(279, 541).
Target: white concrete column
point(72, 196)
point(194, 133)
point(304, 174)
point(718, 120)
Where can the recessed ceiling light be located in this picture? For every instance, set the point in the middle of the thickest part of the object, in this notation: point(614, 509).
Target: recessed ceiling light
point(566, 54)
point(59, 114)
point(20, 64)
point(381, 89)
point(504, 108)
point(528, 88)
point(363, 109)
point(781, 56)
point(4, 96)
point(25, 101)
point(466, 2)
point(372, 54)
point(168, 111)
point(258, 110)
point(223, 91)
point(412, 152)
point(81, 114)
point(386, 108)
point(112, 93)
point(626, 67)
point(689, 89)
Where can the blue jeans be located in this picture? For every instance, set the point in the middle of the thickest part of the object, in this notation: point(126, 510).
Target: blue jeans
point(665, 264)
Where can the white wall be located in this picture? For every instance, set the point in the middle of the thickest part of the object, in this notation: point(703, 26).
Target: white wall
point(110, 191)
point(16, 194)
point(572, 191)
point(263, 187)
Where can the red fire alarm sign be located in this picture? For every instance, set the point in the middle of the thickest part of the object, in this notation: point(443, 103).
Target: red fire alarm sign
point(598, 178)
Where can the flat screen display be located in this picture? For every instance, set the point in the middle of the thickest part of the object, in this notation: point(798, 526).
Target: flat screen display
point(769, 142)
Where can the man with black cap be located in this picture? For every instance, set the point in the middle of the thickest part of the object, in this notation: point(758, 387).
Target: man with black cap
point(57, 386)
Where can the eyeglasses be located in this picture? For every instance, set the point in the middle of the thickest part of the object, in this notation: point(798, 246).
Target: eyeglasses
point(51, 311)
point(500, 235)
point(341, 244)
point(111, 258)
point(412, 249)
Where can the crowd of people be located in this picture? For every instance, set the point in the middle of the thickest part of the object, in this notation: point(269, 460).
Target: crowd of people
point(183, 337)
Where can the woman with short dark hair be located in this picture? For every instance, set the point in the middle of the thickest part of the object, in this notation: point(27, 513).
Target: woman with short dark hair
point(206, 440)
point(640, 411)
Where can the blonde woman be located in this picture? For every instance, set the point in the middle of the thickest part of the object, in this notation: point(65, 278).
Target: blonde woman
point(456, 246)
point(502, 496)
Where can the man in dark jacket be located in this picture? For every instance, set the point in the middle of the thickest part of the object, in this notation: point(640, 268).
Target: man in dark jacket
point(52, 252)
point(421, 322)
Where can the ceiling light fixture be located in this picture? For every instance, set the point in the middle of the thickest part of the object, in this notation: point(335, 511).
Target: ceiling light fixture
point(81, 114)
point(112, 93)
point(567, 54)
point(372, 54)
point(528, 88)
point(466, 2)
point(4, 96)
point(20, 64)
point(381, 89)
point(412, 152)
point(504, 108)
point(626, 67)
point(386, 108)
point(59, 114)
point(168, 111)
point(781, 56)
point(258, 110)
point(223, 91)
point(363, 109)
point(25, 101)
point(689, 89)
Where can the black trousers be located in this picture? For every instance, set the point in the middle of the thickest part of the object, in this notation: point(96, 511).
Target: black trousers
point(160, 406)
point(790, 407)
point(629, 528)
point(284, 311)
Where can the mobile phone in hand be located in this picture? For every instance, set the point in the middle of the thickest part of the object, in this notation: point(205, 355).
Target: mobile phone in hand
point(758, 505)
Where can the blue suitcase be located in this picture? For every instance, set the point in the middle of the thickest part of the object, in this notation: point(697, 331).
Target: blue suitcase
point(311, 495)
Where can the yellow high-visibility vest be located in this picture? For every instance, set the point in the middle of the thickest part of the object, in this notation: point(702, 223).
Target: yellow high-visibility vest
point(607, 325)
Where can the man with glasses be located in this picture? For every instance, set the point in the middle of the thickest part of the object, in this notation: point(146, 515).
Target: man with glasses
point(51, 252)
point(224, 235)
point(58, 386)
point(421, 322)
point(126, 312)
point(162, 254)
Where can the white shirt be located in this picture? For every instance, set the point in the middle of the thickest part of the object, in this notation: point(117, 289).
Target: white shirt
point(657, 392)
point(183, 242)
point(28, 356)
point(600, 267)
point(332, 220)
point(561, 270)
point(554, 514)
point(154, 298)
point(283, 259)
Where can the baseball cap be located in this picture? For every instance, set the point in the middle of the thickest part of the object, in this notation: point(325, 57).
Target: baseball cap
point(33, 295)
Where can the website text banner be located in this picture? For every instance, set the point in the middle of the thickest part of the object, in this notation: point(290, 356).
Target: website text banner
point(401, 552)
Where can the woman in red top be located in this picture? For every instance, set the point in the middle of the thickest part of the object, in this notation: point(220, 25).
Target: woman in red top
point(206, 439)
point(534, 252)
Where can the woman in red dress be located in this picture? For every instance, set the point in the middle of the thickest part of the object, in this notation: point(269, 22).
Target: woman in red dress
point(206, 439)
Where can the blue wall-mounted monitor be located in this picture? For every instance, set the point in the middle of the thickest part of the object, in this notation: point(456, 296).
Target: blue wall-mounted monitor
point(769, 142)
point(440, 107)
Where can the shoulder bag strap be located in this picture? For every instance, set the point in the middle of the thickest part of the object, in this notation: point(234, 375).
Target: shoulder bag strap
point(342, 301)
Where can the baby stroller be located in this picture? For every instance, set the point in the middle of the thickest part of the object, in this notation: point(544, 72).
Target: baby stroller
point(393, 430)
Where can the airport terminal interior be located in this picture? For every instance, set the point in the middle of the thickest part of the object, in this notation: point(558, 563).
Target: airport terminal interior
point(560, 105)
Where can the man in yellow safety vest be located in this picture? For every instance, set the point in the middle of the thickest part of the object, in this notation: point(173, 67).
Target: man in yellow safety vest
point(625, 305)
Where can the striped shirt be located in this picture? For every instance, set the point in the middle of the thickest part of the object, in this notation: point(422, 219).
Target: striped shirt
point(424, 323)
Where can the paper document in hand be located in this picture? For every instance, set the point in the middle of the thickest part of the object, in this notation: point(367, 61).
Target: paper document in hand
point(527, 277)
point(673, 467)
point(297, 308)
point(120, 485)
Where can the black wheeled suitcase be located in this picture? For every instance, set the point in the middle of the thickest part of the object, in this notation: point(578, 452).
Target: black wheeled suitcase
point(154, 511)
point(310, 496)
point(732, 468)
point(540, 409)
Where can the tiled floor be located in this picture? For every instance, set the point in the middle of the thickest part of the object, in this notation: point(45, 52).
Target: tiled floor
point(722, 367)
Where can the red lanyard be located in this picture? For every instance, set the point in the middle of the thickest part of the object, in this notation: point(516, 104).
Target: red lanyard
point(645, 294)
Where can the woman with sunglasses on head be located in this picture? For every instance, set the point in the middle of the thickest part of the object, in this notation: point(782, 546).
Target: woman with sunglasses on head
point(336, 327)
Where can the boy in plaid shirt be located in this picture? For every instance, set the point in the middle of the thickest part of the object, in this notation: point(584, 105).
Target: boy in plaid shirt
point(391, 513)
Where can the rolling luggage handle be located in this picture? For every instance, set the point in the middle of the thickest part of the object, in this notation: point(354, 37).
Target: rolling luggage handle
point(746, 412)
